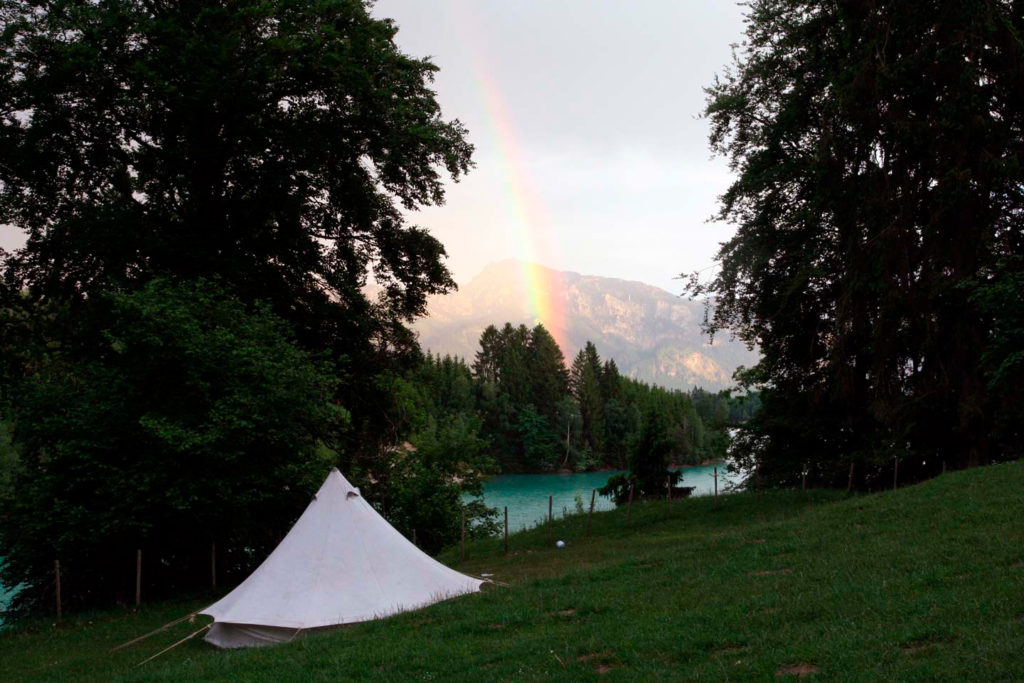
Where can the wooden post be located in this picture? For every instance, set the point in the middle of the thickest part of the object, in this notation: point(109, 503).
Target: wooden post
point(803, 483)
point(593, 495)
point(506, 529)
point(138, 577)
point(943, 466)
point(56, 571)
point(629, 506)
point(213, 564)
point(551, 538)
point(849, 484)
point(895, 472)
point(668, 491)
point(462, 543)
point(716, 481)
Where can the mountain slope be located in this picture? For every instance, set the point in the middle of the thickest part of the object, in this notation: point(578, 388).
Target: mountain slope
point(652, 334)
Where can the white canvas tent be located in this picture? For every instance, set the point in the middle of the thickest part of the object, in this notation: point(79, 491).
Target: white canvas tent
point(341, 563)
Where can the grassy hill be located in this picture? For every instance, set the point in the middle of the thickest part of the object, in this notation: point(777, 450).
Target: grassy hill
point(926, 583)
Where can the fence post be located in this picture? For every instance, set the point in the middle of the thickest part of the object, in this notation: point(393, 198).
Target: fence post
point(593, 495)
point(506, 529)
point(138, 577)
point(803, 483)
point(668, 491)
point(716, 481)
point(849, 484)
point(895, 471)
point(629, 506)
point(462, 543)
point(56, 571)
point(551, 538)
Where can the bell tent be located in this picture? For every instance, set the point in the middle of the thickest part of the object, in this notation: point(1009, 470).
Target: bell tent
point(341, 563)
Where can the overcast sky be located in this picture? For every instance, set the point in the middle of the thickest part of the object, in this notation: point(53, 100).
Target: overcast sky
point(590, 155)
point(585, 112)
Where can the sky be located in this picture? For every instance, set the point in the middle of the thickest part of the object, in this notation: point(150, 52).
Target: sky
point(590, 153)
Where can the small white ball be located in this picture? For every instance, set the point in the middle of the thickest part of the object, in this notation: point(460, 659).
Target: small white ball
point(560, 544)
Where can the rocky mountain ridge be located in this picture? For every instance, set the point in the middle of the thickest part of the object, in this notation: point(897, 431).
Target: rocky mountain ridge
point(652, 334)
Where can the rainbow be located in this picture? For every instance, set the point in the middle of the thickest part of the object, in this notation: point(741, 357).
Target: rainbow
point(544, 289)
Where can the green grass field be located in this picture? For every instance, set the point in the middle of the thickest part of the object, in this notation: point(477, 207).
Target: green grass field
point(926, 583)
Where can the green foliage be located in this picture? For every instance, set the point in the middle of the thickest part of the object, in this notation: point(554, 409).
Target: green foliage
point(438, 457)
point(649, 474)
point(271, 147)
point(539, 416)
point(272, 144)
point(999, 297)
point(879, 159)
point(184, 418)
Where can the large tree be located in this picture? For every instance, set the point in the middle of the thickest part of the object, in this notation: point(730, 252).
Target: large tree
point(269, 147)
point(877, 149)
point(272, 144)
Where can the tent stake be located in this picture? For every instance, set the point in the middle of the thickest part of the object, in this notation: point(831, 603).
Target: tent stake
point(153, 633)
point(168, 649)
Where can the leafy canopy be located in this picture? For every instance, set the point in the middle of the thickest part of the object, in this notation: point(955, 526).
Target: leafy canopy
point(878, 153)
point(272, 144)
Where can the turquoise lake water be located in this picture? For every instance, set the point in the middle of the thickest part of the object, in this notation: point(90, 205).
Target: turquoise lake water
point(526, 495)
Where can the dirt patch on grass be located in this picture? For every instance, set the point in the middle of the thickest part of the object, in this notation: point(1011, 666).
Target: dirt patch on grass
point(602, 659)
point(798, 670)
point(772, 572)
point(1017, 565)
point(647, 565)
point(570, 612)
point(911, 650)
point(756, 540)
point(916, 647)
point(728, 650)
point(603, 656)
point(495, 626)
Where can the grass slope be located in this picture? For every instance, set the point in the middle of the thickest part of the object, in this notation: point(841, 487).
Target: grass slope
point(926, 583)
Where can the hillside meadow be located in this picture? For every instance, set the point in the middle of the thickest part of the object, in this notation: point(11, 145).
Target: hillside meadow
point(925, 583)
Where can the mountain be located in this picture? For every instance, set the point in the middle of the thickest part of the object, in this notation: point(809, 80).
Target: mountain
point(652, 334)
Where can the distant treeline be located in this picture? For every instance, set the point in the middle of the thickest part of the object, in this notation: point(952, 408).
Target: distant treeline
point(536, 414)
